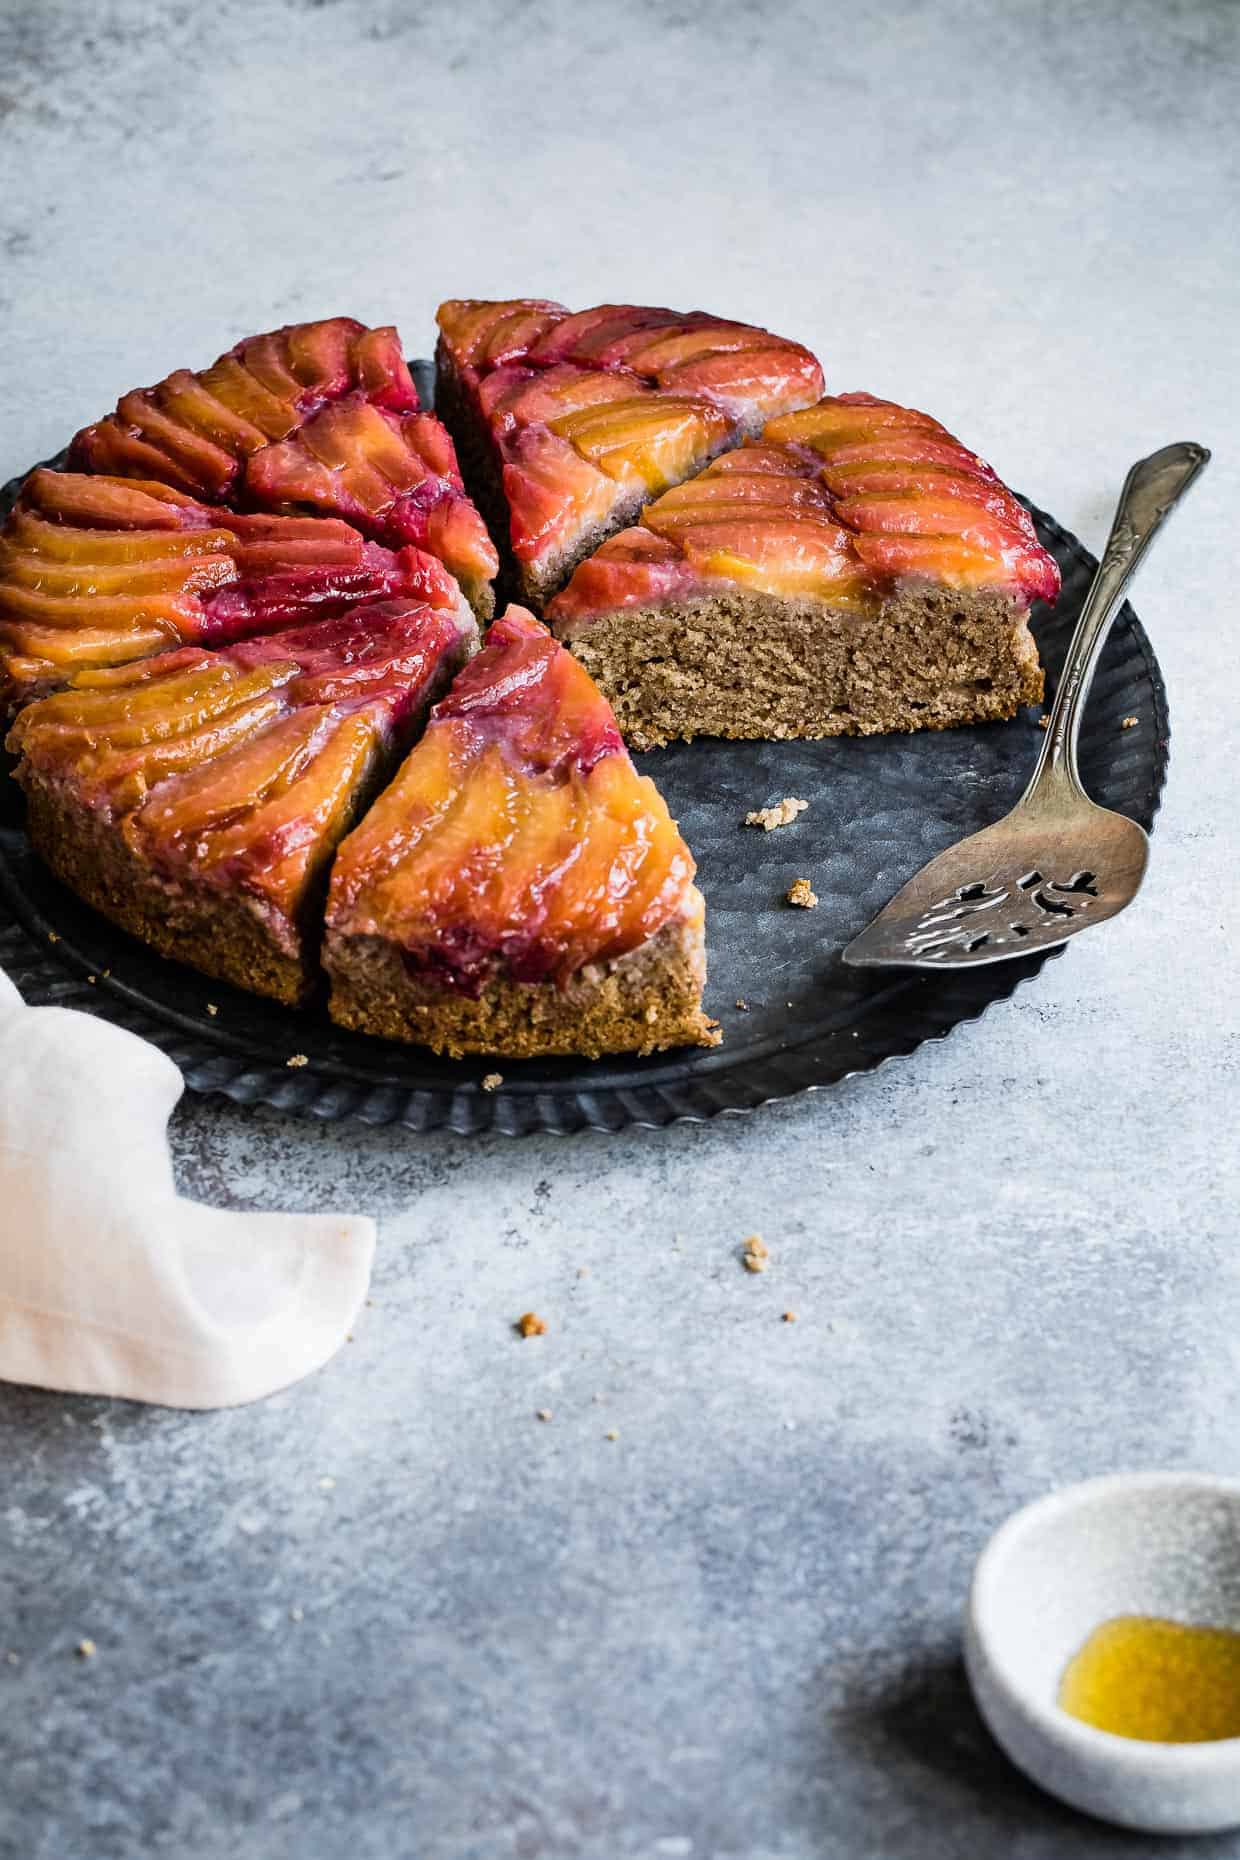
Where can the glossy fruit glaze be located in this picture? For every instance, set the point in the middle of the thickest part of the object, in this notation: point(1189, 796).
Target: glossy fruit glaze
point(318, 415)
point(518, 838)
point(98, 571)
point(242, 766)
point(840, 502)
point(585, 410)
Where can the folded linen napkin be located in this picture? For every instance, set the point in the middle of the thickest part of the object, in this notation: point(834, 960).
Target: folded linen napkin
point(110, 1282)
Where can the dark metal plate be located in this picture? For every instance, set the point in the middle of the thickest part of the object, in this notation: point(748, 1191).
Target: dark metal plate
point(879, 808)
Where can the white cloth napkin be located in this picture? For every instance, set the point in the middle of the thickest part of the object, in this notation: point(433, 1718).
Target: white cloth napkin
point(110, 1283)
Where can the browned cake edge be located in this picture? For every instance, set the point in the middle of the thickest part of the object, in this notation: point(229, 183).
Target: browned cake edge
point(639, 1003)
point(227, 935)
point(738, 663)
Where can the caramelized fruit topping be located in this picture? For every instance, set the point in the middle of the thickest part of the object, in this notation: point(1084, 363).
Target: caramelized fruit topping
point(586, 409)
point(244, 764)
point(320, 415)
point(518, 836)
point(97, 571)
point(839, 501)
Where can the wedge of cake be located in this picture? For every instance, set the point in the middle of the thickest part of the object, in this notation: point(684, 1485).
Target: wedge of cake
point(196, 798)
point(98, 571)
point(569, 423)
point(316, 416)
point(856, 570)
point(519, 889)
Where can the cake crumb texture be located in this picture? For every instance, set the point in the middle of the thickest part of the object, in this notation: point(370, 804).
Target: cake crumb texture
point(748, 665)
point(781, 815)
point(756, 1257)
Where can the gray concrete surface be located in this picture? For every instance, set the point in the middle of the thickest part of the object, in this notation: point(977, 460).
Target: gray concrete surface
point(731, 1632)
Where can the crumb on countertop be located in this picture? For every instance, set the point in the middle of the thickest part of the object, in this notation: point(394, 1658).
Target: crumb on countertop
point(1129, 723)
point(755, 1257)
point(531, 1325)
point(781, 815)
point(542, 1414)
point(742, 1005)
point(212, 1010)
point(1044, 722)
point(86, 1650)
point(613, 1433)
point(789, 1317)
point(297, 1059)
point(492, 1081)
point(53, 936)
point(802, 892)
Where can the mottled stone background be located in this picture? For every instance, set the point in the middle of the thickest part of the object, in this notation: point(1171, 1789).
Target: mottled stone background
point(731, 1632)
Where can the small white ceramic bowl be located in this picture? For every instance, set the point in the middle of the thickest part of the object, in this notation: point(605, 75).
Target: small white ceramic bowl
point(1135, 1544)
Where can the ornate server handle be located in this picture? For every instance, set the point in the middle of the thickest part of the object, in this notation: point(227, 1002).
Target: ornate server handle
point(1151, 491)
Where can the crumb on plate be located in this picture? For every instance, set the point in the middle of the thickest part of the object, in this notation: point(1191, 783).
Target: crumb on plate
point(781, 815)
point(802, 893)
point(492, 1081)
point(531, 1325)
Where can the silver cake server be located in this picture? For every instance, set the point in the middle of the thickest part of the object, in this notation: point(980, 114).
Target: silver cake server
point(1058, 863)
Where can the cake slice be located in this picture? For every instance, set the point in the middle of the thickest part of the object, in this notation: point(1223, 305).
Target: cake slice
point(569, 423)
point(519, 889)
point(855, 570)
point(196, 798)
point(98, 571)
point(316, 416)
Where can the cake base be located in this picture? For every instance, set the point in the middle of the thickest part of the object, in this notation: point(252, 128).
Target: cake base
point(639, 1003)
point(227, 935)
point(750, 665)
